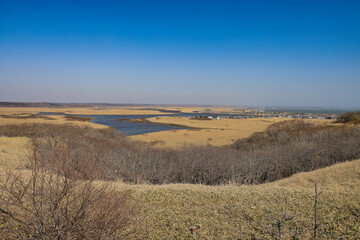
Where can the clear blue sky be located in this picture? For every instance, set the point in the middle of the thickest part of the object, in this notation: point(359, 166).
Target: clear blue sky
point(284, 53)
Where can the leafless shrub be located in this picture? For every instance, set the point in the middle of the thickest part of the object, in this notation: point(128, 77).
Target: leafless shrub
point(78, 118)
point(316, 223)
point(55, 202)
point(276, 228)
point(349, 117)
point(282, 150)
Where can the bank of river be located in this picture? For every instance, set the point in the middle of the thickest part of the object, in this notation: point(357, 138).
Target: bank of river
point(130, 127)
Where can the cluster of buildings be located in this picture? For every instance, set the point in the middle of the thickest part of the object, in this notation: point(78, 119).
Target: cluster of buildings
point(264, 114)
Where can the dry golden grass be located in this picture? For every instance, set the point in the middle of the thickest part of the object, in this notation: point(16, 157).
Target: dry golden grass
point(12, 151)
point(338, 177)
point(202, 109)
point(246, 212)
point(12, 148)
point(241, 212)
point(84, 111)
point(136, 110)
point(214, 132)
point(55, 119)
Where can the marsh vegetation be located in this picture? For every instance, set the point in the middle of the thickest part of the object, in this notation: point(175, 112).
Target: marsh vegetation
point(73, 184)
point(283, 149)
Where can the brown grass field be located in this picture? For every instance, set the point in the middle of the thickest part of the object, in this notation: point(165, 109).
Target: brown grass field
point(239, 212)
point(214, 132)
point(229, 211)
point(53, 119)
point(136, 110)
point(250, 212)
point(85, 111)
point(12, 151)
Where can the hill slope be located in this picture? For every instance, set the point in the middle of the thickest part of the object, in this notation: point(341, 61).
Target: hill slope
point(252, 212)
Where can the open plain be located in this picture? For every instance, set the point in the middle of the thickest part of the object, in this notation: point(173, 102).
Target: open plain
point(227, 211)
point(202, 132)
point(213, 132)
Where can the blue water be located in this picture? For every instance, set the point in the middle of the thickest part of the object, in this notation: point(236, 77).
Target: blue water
point(134, 128)
point(131, 128)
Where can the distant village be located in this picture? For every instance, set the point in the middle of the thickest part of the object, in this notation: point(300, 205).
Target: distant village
point(264, 114)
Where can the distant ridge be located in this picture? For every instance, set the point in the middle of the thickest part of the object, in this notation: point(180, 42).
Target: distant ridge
point(46, 104)
point(24, 104)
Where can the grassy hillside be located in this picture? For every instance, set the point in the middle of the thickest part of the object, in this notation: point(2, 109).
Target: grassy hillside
point(349, 117)
point(252, 212)
point(282, 209)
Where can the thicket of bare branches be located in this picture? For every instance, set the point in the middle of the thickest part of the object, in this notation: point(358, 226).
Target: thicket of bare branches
point(283, 149)
point(349, 117)
point(54, 201)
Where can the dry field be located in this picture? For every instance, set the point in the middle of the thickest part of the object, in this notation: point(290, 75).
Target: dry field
point(214, 132)
point(12, 150)
point(237, 212)
point(85, 111)
point(52, 119)
point(252, 212)
point(204, 109)
point(138, 110)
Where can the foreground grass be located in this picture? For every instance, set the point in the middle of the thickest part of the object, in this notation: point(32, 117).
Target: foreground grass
point(252, 212)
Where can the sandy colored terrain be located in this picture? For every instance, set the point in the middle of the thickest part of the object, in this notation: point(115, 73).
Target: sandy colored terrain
point(213, 132)
point(12, 151)
point(138, 110)
point(85, 111)
point(239, 212)
point(202, 109)
point(231, 211)
point(55, 119)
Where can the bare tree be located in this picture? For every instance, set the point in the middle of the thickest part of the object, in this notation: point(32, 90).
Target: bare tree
point(43, 203)
point(276, 229)
point(316, 224)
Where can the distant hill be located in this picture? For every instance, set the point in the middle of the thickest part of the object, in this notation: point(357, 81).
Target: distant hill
point(47, 104)
point(25, 104)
